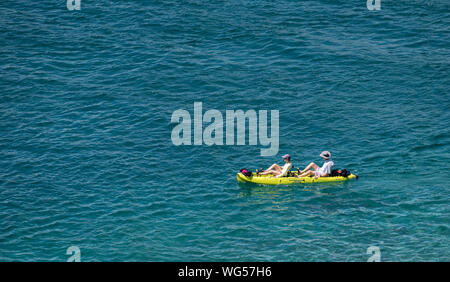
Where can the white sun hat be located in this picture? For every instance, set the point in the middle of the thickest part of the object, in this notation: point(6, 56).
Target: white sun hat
point(325, 155)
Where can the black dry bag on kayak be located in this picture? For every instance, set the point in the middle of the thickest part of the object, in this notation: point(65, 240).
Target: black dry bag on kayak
point(246, 172)
point(339, 172)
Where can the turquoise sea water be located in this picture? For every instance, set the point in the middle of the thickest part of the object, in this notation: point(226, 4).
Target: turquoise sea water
point(86, 157)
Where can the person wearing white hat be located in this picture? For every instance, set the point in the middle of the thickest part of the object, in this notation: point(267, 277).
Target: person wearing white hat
point(277, 170)
point(325, 170)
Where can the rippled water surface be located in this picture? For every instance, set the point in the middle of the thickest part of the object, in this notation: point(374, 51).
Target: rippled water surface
point(86, 157)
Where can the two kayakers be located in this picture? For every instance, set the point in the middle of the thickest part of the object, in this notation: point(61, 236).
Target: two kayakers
point(277, 170)
point(311, 170)
point(317, 171)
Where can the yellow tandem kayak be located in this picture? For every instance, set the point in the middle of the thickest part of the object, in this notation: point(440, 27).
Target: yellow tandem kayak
point(271, 180)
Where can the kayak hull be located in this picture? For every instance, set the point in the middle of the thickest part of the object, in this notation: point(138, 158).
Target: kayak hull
point(271, 180)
